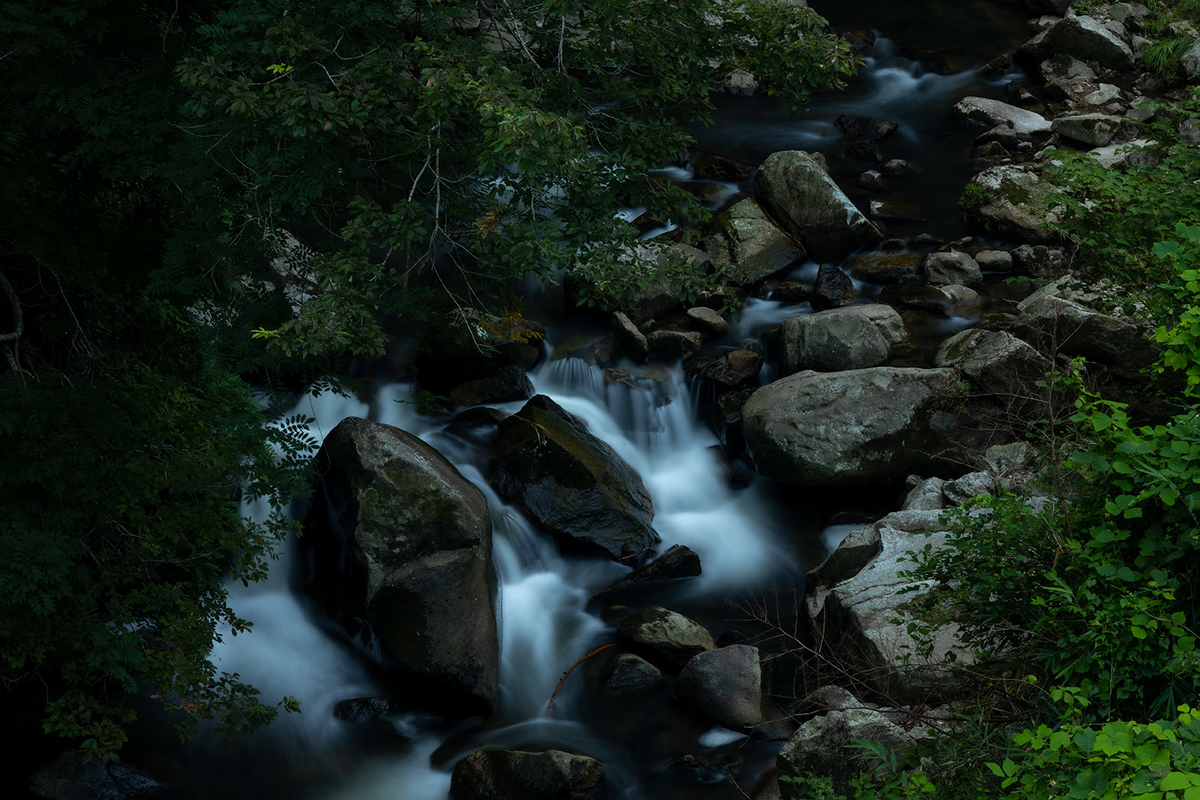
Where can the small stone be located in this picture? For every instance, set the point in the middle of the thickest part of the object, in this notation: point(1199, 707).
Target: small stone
point(708, 321)
point(632, 673)
point(994, 261)
point(872, 179)
point(894, 167)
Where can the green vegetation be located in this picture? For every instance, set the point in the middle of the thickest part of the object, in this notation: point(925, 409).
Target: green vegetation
point(166, 173)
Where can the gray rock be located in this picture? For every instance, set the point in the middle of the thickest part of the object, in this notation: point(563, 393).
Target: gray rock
point(1106, 93)
point(1131, 15)
point(519, 775)
point(665, 637)
point(952, 267)
point(708, 321)
point(678, 562)
point(822, 746)
point(945, 301)
point(828, 698)
point(1094, 130)
point(730, 369)
point(632, 673)
point(1082, 37)
point(507, 385)
point(894, 167)
point(871, 179)
point(398, 550)
point(854, 337)
point(1066, 77)
point(1018, 203)
point(973, 484)
point(756, 245)
point(1190, 61)
point(1039, 261)
point(925, 496)
point(858, 549)
point(995, 362)
point(1002, 458)
point(725, 684)
point(994, 260)
point(630, 341)
point(869, 612)
point(674, 344)
point(804, 200)
point(848, 428)
point(1052, 320)
point(571, 483)
point(1004, 135)
point(990, 113)
point(1124, 156)
point(832, 289)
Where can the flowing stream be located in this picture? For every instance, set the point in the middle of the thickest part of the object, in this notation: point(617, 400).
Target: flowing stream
point(751, 540)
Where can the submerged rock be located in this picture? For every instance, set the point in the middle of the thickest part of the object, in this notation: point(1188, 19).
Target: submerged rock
point(571, 483)
point(850, 428)
point(398, 550)
point(520, 775)
point(794, 189)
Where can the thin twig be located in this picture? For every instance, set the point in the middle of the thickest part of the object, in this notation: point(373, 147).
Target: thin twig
point(567, 674)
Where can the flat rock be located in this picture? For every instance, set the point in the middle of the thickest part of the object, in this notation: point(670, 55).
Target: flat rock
point(853, 337)
point(849, 428)
point(1094, 130)
point(989, 113)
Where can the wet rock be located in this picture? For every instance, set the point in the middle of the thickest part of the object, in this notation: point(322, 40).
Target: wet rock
point(822, 746)
point(951, 268)
point(925, 496)
point(676, 563)
point(674, 344)
point(519, 775)
point(832, 289)
point(730, 369)
point(1054, 322)
point(665, 637)
point(790, 292)
point(1082, 37)
point(1004, 135)
point(871, 179)
point(1039, 261)
point(945, 301)
point(894, 166)
point(804, 200)
point(755, 243)
point(369, 711)
point(973, 484)
point(850, 428)
point(712, 167)
point(507, 385)
point(725, 684)
point(629, 340)
point(1017, 203)
point(994, 260)
point(994, 361)
point(707, 321)
point(991, 113)
point(397, 550)
point(998, 66)
point(632, 673)
point(868, 615)
point(68, 777)
point(571, 483)
point(927, 240)
point(1094, 130)
point(886, 267)
point(864, 127)
point(724, 418)
point(854, 337)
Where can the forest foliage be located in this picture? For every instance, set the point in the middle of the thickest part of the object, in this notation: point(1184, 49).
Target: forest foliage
point(201, 193)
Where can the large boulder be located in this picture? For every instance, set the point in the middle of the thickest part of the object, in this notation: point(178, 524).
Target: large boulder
point(858, 427)
point(725, 684)
point(826, 746)
point(571, 483)
point(1010, 200)
point(799, 195)
point(990, 113)
point(866, 613)
point(756, 244)
point(1093, 130)
point(398, 551)
point(854, 337)
point(1055, 319)
point(1082, 37)
point(665, 637)
point(994, 361)
point(520, 775)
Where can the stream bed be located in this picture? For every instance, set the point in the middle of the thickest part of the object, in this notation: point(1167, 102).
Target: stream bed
point(755, 543)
